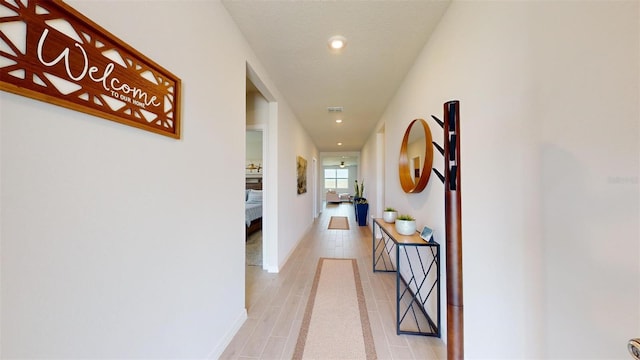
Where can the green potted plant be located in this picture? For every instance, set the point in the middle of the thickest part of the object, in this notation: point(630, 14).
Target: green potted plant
point(405, 225)
point(389, 215)
point(359, 189)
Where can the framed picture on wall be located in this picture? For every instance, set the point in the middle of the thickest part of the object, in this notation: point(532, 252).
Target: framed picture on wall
point(301, 166)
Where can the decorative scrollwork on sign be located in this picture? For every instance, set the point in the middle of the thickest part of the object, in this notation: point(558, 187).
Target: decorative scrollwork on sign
point(50, 52)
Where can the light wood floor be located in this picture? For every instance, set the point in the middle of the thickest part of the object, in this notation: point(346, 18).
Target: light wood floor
point(276, 302)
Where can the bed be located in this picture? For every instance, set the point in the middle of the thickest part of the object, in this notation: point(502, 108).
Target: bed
point(253, 205)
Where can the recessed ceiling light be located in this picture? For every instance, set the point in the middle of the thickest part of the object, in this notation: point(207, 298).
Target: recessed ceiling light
point(339, 144)
point(338, 121)
point(337, 42)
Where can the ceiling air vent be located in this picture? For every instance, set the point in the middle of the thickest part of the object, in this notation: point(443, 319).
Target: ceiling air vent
point(335, 109)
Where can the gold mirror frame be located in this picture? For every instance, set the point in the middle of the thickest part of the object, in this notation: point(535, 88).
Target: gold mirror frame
point(404, 170)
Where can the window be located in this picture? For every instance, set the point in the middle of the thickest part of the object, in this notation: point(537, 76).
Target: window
point(336, 178)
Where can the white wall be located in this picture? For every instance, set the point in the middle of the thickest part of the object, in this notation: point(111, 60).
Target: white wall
point(257, 109)
point(253, 145)
point(549, 154)
point(295, 212)
point(114, 243)
point(589, 175)
point(257, 121)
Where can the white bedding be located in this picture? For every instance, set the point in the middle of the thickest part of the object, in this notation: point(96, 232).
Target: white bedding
point(253, 211)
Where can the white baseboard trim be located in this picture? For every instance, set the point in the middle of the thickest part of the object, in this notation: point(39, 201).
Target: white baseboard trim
point(226, 340)
point(276, 269)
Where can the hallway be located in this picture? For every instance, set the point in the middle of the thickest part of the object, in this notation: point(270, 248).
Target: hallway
point(276, 302)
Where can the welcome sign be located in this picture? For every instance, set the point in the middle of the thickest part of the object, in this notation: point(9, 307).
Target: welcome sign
point(50, 52)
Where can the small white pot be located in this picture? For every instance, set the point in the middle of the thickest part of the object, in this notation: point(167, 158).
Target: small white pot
point(406, 227)
point(389, 216)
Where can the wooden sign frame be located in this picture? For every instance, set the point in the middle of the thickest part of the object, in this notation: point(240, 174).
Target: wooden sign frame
point(51, 52)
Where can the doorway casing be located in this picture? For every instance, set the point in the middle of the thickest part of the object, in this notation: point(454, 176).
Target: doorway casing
point(270, 175)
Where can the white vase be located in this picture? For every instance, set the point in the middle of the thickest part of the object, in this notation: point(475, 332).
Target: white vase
point(389, 216)
point(406, 227)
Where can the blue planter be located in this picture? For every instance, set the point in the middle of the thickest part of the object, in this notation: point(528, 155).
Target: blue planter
point(355, 206)
point(362, 211)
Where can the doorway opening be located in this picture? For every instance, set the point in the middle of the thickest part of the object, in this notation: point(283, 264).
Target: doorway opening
point(338, 171)
point(253, 196)
point(261, 118)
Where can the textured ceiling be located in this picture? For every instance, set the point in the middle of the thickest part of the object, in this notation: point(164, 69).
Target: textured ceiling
point(383, 40)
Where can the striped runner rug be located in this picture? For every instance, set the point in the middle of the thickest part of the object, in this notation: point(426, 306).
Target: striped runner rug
point(336, 323)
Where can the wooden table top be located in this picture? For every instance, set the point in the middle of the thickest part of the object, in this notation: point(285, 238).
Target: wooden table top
point(402, 239)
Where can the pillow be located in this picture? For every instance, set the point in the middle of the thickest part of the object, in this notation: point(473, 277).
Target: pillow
point(246, 194)
point(255, 196)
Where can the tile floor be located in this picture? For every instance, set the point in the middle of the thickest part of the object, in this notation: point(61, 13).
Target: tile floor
point(276, 302)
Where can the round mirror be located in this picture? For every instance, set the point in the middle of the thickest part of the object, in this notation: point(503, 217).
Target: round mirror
point(416, 157)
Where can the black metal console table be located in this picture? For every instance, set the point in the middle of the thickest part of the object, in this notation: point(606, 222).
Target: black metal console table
point(417, 266)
